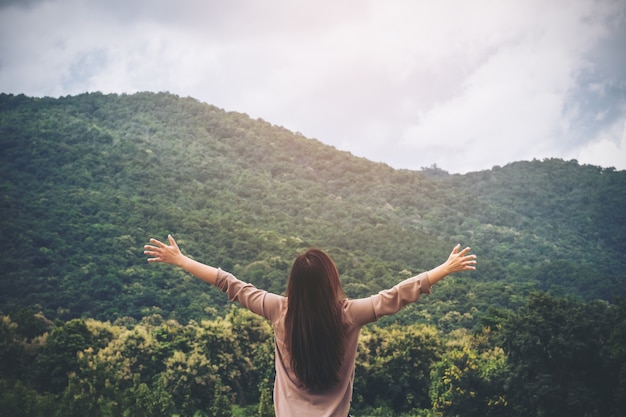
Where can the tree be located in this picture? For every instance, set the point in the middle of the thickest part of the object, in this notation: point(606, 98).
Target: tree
point(147, 401)
point(468, 380)
point(266, 405)
point(221, 406)
point(59, 356)
point(191, 380)
point(393, 366)
point(19, 400)
point(253, 337)
point(560, 358)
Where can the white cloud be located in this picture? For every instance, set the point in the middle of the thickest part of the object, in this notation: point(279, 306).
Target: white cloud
point(511, 104)
point(608, 149)
point(466, 85)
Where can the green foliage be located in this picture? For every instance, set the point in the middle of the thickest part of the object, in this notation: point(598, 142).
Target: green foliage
point(468, 380)
point(266, 406)
point(86, 180)
point(565, 358)
point(221, 406)
point(58, 357)
point(554, 356)
point(19, 400)
point(142, 400)
point(394, 366)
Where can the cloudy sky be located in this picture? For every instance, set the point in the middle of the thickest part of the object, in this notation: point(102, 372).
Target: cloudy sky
point(462, 84)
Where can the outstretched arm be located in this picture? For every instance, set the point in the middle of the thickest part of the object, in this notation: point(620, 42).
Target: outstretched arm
point(171, 254)
point(459, 260)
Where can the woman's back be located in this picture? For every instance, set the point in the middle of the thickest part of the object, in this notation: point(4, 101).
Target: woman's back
point(314, 328)
point(291, 396)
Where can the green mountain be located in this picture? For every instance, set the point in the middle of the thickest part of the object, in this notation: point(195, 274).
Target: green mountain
point(87, 180)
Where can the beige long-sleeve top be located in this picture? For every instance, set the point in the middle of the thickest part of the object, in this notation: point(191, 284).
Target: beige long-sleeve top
point(291, 397)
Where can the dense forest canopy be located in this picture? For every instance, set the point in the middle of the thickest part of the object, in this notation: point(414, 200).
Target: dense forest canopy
point(87, 180)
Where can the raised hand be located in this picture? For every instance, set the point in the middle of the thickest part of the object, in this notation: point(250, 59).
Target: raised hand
point(161, 252)
point(459, 260)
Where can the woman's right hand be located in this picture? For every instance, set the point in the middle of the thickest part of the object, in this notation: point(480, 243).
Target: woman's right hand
point(160, 252)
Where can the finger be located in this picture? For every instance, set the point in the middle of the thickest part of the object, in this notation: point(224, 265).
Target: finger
point(470, 264)
point(465, 251)
point(172, 241)
point(158, 243)
point(455, 249)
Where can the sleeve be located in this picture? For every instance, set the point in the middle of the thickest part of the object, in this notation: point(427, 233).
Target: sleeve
point(258, 301)
point(390, 301)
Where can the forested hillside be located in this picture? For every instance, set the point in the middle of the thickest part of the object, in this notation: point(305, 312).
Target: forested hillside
point(87, 180)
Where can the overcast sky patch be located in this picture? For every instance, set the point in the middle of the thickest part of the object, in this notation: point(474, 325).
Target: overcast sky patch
point(465, 85)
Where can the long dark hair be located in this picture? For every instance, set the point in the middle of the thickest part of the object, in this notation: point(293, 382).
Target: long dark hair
point(313, 325)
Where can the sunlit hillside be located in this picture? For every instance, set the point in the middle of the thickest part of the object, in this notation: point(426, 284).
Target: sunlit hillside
point(88, 327)
point(87, 180)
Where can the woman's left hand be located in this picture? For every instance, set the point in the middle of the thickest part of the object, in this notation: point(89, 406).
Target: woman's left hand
point(459, 260)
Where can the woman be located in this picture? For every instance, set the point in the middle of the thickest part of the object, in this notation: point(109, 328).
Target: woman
point(316, 328)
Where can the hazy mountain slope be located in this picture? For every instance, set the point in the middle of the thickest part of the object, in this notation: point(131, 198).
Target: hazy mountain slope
point(86, 180)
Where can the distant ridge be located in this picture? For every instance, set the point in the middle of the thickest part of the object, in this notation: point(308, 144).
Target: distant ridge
point(87, 179)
